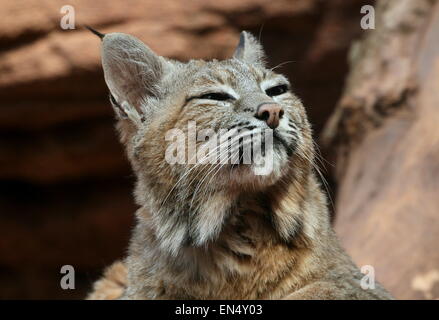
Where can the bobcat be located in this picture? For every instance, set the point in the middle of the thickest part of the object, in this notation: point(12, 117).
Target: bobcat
point(220, 231)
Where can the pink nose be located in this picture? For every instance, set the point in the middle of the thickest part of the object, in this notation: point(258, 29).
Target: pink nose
point(271, 113)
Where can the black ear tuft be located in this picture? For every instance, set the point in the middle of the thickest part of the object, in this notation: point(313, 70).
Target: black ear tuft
point(100, 35)
point(239, 51)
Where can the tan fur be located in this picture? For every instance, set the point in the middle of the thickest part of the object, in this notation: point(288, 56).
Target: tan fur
point(112, 285)
point(229, 234)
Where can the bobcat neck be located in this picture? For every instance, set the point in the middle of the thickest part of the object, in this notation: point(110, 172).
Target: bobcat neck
point(261, 250)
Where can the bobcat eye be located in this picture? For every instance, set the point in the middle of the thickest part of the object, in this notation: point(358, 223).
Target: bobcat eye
point(218, 96)
point(277, 90)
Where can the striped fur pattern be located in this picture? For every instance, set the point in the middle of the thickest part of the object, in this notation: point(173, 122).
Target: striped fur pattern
point(218, 231)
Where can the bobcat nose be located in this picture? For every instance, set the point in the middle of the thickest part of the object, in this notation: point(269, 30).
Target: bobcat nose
point(271, 113)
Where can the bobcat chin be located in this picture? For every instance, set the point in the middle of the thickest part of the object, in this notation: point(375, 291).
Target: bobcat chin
point(220, 230)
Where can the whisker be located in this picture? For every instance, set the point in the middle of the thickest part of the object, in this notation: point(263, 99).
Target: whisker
point(282, 64)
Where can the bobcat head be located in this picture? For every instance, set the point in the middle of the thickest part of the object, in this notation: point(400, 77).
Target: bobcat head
point(155, 98)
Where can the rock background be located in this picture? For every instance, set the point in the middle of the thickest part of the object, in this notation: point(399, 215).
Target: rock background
point(65, 185)
point(384, 139)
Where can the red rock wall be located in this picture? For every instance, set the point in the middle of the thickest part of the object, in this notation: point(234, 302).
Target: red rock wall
point(65, 186)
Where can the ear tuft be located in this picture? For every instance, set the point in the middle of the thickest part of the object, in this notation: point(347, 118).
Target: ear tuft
point(249, 50)
point(95, 32)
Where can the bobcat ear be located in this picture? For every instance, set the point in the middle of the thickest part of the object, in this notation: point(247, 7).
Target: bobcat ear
point(132, 72)
point(249, 49)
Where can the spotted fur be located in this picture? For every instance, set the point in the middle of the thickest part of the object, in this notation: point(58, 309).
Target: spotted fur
point(221, 232)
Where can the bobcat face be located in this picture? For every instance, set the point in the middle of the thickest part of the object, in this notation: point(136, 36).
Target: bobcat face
point(257, 104)
point(166, 105)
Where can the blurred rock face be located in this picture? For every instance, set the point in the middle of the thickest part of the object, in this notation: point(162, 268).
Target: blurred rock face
point(65, 184)
point(385, 140)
